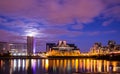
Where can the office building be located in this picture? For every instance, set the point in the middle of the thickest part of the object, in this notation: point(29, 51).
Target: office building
point(15, 49)
point(62, 48)
point(4, 47)
point(18, 49)
point(30, 45)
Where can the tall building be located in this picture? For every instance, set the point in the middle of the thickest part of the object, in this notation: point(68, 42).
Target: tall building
point(30, 45)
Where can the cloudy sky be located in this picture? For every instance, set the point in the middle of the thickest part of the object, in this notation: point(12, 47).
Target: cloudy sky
point(81, 22)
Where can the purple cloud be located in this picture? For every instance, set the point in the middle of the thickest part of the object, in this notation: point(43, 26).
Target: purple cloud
point(107, 23)
point(113, 13)
point(52, 11)
point(59, 13)
point(95, 33)
point(10, 36)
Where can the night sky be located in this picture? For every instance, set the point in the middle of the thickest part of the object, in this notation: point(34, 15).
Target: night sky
point(82, 22)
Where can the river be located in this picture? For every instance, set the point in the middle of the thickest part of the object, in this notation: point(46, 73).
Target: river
point(58, 66)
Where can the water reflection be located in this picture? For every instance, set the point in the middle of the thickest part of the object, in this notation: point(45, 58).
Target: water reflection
point(54, 66)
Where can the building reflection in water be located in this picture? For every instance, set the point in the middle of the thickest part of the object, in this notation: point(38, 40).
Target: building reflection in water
point(46, 64)
point(53, 66)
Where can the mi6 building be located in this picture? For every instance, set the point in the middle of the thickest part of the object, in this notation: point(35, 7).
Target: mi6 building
point(62, 48)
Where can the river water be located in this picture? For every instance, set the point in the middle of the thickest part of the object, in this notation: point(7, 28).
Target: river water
point(59, 66)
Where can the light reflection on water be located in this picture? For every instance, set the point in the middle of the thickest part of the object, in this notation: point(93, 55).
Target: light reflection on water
point(57, 66)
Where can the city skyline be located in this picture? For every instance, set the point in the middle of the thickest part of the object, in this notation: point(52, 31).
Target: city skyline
point(82, 22)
